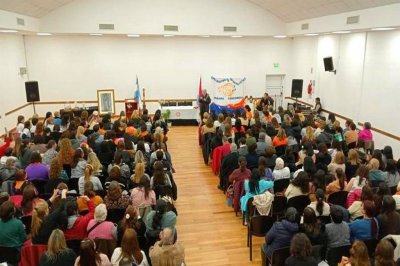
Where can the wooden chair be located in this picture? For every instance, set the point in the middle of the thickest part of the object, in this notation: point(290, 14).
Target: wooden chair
point(299, 203)
point(257, 226)
point(9, 255)
point(338, 198)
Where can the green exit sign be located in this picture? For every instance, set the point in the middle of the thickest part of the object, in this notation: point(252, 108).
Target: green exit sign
point(276, 65)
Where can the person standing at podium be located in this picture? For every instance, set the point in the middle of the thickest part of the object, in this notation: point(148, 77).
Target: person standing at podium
point(204, 101)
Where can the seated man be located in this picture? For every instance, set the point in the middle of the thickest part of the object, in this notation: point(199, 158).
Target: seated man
point(281, 233)
point(165, 251)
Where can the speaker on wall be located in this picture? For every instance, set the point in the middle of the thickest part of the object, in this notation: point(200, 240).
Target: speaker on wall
point(297, 88)
point(328, 64)
point(32, 91)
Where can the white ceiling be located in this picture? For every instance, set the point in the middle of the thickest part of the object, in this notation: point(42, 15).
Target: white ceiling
point(33, 8)
point(287, 10)
point(295, 10)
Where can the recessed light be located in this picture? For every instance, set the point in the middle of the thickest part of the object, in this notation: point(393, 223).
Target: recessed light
point(382, 28)
point(204, 36)
point(133, 35)
point(237, 36)
point(341, 32)
point(8, 31)
point(96, 34)
point(168, 35)
point(311, 34)
point(43, 34)
point(280, 36)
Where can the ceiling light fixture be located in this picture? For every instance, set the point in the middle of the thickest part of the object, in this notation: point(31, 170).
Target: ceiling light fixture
point(382, 29)
point(43, 34)
point(341, 32)
point(133, 35)
point(8, 31)
point(280, 36)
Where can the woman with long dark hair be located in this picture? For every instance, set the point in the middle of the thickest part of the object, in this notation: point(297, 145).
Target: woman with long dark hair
point(254, 186)
point(298, 186)
point(30, 198)
point(129, 253)
point(313, 228)
point(300, 251)
point(88, 256)
point(78, 165)
point(115, 199)
point(389, 219)
point(320, 206)
point(143, 195)
point(132, 220)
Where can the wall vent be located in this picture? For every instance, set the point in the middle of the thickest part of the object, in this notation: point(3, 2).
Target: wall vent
point(20, 21)
point(171, 28)
point(230, 29)
point(353, 20)
point(106, 26)
point(305, 26)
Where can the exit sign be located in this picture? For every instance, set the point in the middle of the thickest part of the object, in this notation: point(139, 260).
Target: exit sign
point(276, 65)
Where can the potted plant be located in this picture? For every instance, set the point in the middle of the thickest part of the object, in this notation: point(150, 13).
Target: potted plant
point(166, 115)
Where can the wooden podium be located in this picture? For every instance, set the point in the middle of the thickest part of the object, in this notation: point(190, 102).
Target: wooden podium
point(130, 106)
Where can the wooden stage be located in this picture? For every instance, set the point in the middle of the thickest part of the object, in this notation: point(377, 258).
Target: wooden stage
point(207, 228)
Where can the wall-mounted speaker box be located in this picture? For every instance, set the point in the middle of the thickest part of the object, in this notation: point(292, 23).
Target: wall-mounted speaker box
point(297, 88)
point(328, 64)
point(32, 91)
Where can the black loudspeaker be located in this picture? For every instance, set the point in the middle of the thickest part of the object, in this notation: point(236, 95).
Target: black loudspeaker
point(328, 64)
point(297, 88)
point(32, 91)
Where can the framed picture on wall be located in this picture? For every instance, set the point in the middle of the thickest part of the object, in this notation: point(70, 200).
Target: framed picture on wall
point(106, 101)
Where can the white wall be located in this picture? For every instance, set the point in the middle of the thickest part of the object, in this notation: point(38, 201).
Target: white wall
point(166, 67)
point(148, 17)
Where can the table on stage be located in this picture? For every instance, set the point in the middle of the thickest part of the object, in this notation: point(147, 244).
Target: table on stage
point(182, 115)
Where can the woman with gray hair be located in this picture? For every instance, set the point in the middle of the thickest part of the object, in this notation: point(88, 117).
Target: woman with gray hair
point(99, 227)
point(280, 171)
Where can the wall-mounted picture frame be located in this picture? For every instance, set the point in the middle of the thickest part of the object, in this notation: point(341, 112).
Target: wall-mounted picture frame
point(106, 101)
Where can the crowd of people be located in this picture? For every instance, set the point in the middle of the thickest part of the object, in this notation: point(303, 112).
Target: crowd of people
point(88, 179)
point(254, 150)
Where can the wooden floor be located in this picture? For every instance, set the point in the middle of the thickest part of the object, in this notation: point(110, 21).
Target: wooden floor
point(207, 228)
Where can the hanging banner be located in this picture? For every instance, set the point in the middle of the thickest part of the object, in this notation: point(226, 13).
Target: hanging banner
point(228, 94)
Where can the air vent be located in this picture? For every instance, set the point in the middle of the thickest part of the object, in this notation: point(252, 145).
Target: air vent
point(106, 26)
point(304, 26)
point(230, 29)
point(20, 21)
point(171, 28)
point(353, 20)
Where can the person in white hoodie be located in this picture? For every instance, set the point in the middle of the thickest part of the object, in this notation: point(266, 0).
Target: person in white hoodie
point(280, 171)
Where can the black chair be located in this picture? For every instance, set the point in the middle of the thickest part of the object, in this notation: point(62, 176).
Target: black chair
point(334, 255)
point(9, 255)
point(338, 198)
point(299, 202)
point(278, 207)
point(393, 190)
point(74, 244)
point(281, 184)
point(250, 211)
point(279, 256)
point(45, 196)
point(115, 215)
point(371, 246)
point(352, 145)
point(325, 219)
point(280, 150)
point(73, 184)
point(318, 252)
point(257, 226)
point(27, 221)
point(39, 185)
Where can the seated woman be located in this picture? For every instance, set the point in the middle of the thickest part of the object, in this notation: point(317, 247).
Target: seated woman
point(57, 251)
point(160, 181)
point(37, 170)
point(389, 219)
point(129, 253)
point(115, 199)
point(132, 220)
point(360, 179)
point(78, 164)
point(375, 175)
point(365, 134)
point(143, 195)
point(20, 182)
point(91, 194)
point(8, 170)
point(384, 254)
point(352, 164)
point(241, 173)
point(368, 227)
point(320, 206)
point(356, 208)
point(253, 187)
point(309, 137)
point(56, 176)
point(89, 256)
point(88, 176)
point(138, 173)
point(12, 233)
point(338, 162)
point(358, 255)
point(99, 227)
point(208, 127)
point(94, 161)
point(30, 198)
point(351, 135)
point(280, 139)
point(299, 186)
point(124, 168)
point(280, 171)
point(338, 184)
point(393, 175)
point(43, 222)
point(300, 251)
point(159, 219)
point(311, 226)
point(323, 156)
point(115, 175)
point(66, 154)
